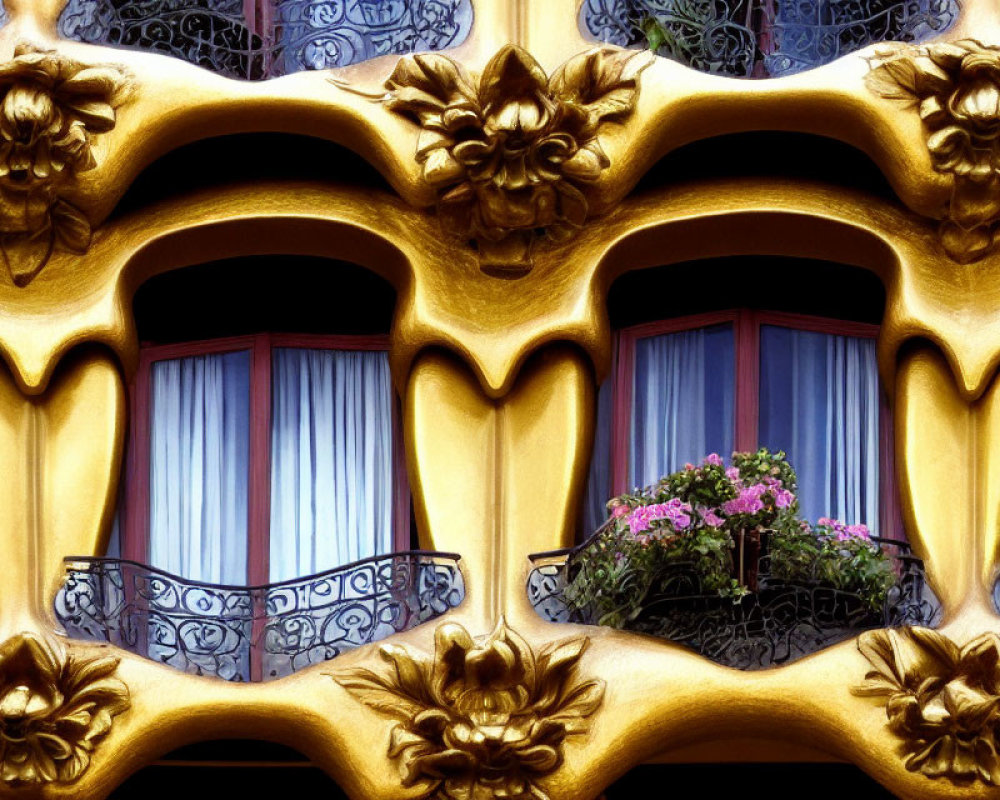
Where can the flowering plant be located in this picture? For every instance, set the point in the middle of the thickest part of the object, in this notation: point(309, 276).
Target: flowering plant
point(691, 522)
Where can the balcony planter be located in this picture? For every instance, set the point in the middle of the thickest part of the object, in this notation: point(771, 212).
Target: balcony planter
point(717, 558)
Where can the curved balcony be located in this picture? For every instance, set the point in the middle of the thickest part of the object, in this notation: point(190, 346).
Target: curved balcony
point(778, 619)
point(242, 633)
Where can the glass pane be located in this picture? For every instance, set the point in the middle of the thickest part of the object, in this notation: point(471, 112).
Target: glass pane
point(200, 447)
point(331, 459)
point(682, 401)
point(763, 38)
point(599, 486)
point(819, 402)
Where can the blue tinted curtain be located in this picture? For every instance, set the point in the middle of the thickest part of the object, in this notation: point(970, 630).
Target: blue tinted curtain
point(682, 401)
point(819, 402)
point(599, 482)
point(200, 443)
point(331, 459)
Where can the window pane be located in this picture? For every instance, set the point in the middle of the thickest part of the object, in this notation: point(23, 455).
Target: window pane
point(331, 459)
point(682, 400)
point(599, 486)
point(819, 402)
point(200, 443)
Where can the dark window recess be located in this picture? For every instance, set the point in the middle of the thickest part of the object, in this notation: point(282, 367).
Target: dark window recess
point(769, 154)
point(238, 297)
point(242, 158)
point(766, 283)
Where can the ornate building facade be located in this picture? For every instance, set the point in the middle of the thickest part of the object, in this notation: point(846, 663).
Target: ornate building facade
point(500, 166)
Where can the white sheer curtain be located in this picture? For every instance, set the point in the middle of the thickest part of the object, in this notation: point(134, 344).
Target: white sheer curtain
point(682, 401)
point(200, 441)
point(819, 402)
point(331, 459)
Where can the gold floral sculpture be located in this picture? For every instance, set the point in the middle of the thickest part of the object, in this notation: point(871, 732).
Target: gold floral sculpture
point(54, 709)
point(483, 718)
point(508, 157)
point(51, 108)
point(956, 86)
point(942, 700)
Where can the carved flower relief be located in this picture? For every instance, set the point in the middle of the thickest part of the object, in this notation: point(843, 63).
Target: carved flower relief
point(957, 88)
point(54, 710)
point(484, 717)
point(941, 700)
point(508, 156)
point(51, 109)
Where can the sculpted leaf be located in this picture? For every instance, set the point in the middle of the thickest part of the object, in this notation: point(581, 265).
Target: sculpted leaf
point(508, 154)
point(956, 89)
point(943, 702)
point(498, 714)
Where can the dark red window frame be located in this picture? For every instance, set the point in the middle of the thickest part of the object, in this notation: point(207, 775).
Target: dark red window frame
point(746, 403)
point(135, 508)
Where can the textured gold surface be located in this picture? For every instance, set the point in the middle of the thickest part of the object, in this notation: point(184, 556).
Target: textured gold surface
point(498, 376)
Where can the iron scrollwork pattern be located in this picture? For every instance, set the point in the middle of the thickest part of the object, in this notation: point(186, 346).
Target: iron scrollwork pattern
point(763, 38)
point(320, 34)
point(231, 632)
point(781, 622)
point(289, 36)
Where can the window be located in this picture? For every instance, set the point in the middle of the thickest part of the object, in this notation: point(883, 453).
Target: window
point(264, 458)
point(715, 382)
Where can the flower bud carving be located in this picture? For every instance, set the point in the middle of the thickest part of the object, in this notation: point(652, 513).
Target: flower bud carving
point(54, 710)
point(942, 700)
point(483, 717)
point(955, 87)
point(511, 153)
point(51, 107)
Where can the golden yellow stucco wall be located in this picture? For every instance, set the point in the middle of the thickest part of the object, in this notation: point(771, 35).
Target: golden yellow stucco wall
point(495, 354)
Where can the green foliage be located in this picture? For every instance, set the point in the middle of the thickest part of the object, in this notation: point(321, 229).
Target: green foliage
point(684, 527)
point(852, 564)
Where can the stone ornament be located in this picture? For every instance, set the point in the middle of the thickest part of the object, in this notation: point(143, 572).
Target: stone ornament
point(54, 710)
point(508, 155)
point(483, 717)
point(51, 107)
point(956, 88)
point(941, 700)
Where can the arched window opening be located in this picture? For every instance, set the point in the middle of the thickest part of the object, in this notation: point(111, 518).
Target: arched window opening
point(264, 522)
point(755, 362)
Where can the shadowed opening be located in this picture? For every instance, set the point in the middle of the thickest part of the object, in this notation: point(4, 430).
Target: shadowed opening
point(770, 154)
point(247, 157)
point(239, 768)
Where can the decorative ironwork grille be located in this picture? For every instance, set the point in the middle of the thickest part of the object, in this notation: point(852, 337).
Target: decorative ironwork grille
point(779, 623)
point(223, 630)
point(763, 38)
point(289, 36)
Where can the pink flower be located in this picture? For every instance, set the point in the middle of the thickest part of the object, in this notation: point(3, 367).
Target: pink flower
point(620, 511)
point(733, 473)
point(713, 519)
point(714, 459)
point(783, 498)
point(748, 501)
point(689, 467)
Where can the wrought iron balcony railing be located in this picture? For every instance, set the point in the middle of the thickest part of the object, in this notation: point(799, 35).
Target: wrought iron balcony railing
point(779, 621)
point(242, 633)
